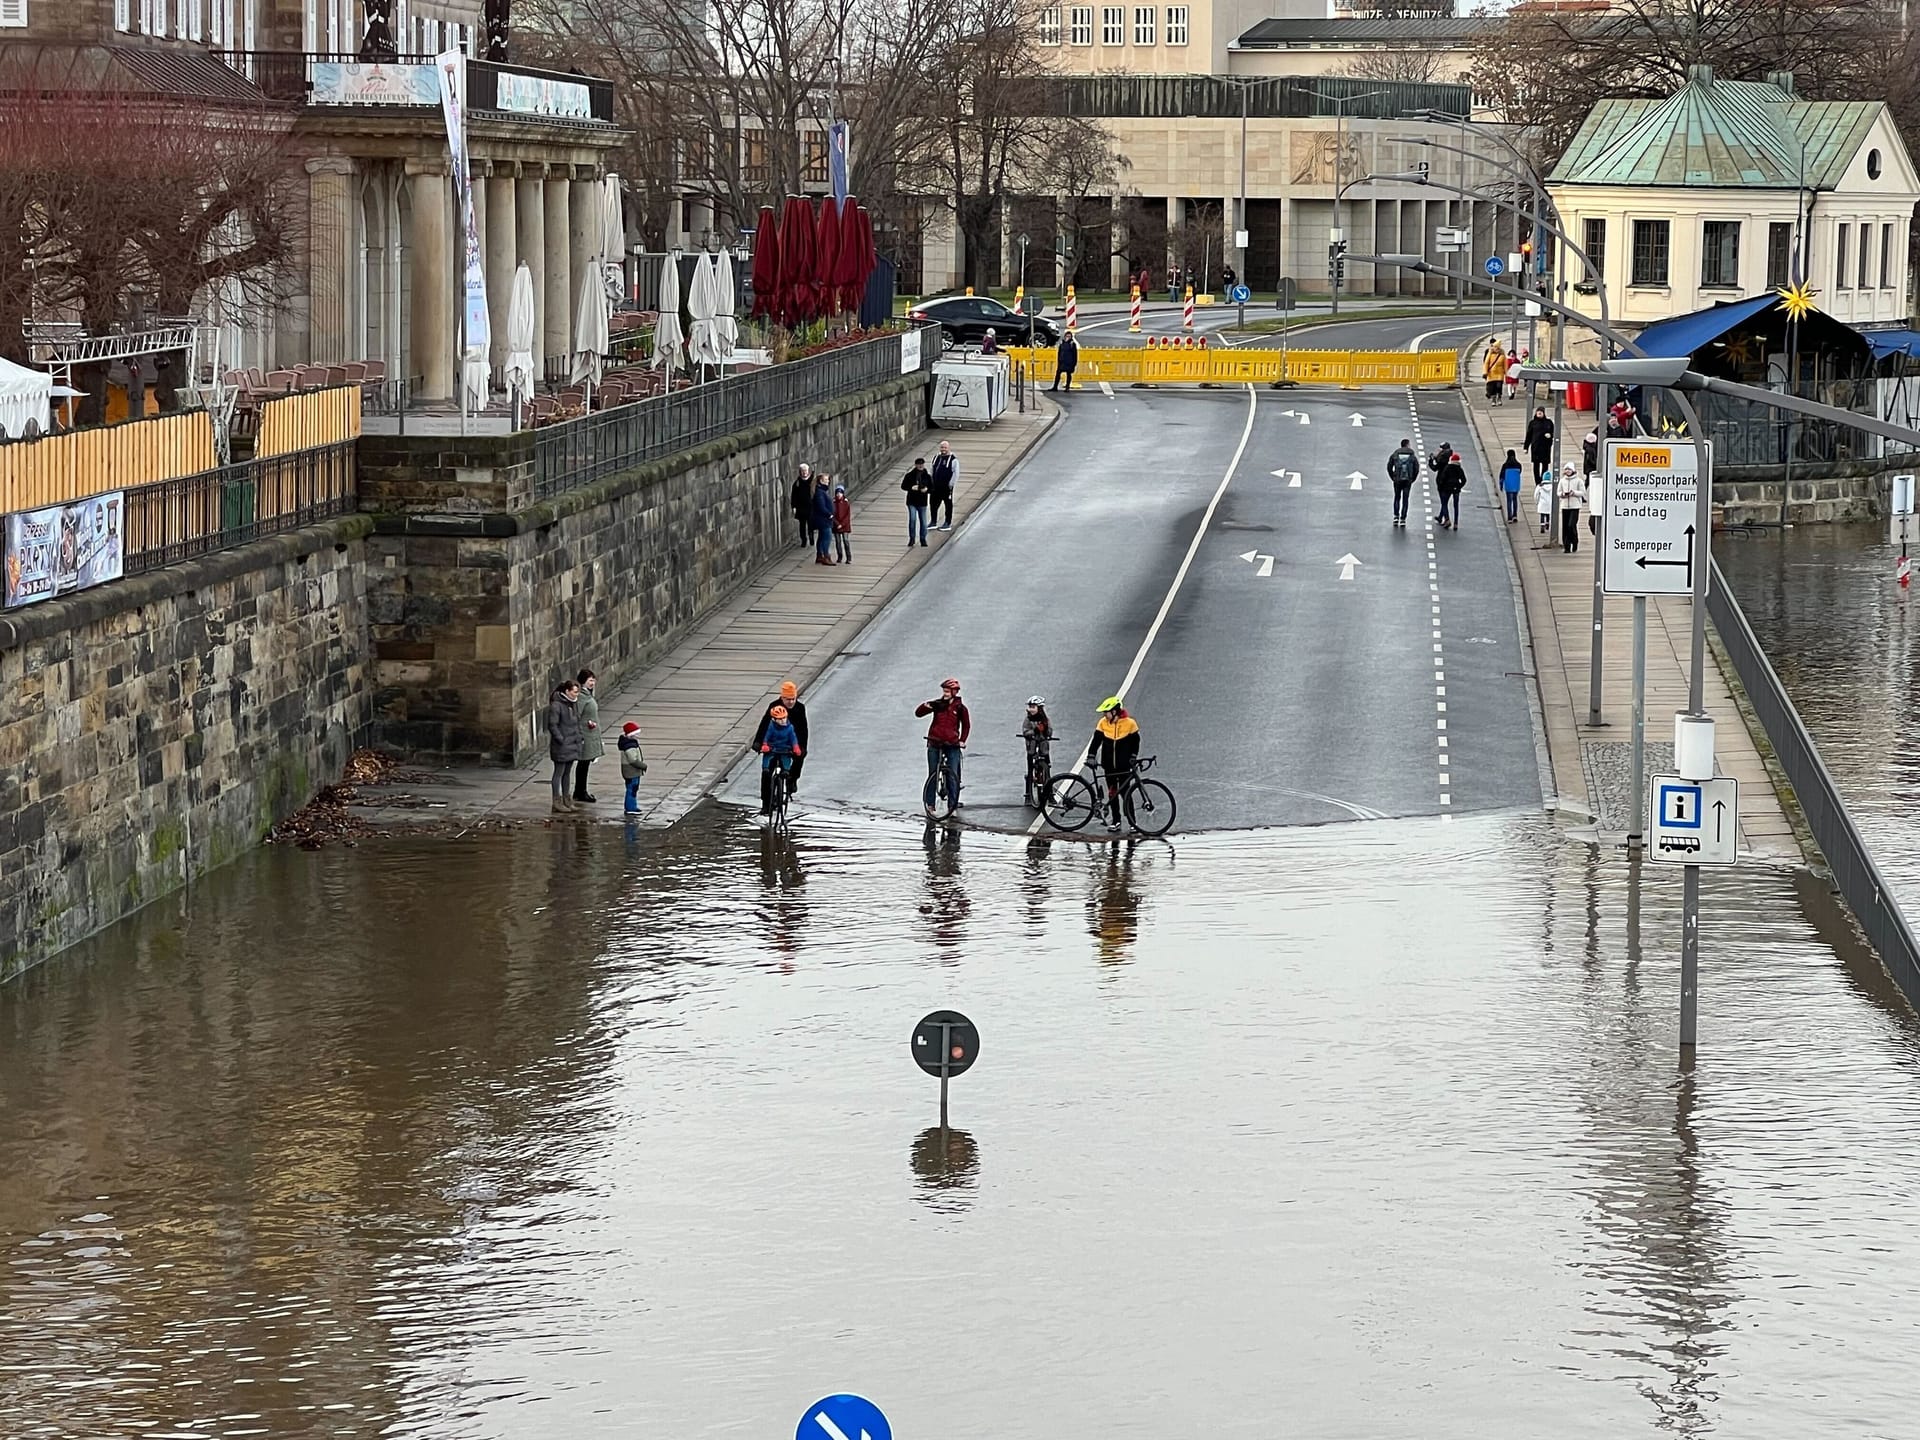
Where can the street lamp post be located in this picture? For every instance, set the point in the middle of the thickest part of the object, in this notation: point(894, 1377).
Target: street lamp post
point(1336, 256)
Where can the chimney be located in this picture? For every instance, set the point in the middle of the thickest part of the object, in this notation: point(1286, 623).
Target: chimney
point(1782, 80)
point(1700, 74)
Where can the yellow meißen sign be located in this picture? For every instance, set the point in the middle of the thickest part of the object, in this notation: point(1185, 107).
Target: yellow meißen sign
point(1650, 457)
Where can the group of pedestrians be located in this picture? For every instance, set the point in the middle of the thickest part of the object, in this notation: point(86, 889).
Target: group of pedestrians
point(574, 742)
point(929, 492)
point(1501, 370)
point(825, 516)
point(1449, 482)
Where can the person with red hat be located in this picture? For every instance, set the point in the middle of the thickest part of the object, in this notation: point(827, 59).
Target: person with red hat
point(632, 764)
point(796, 715)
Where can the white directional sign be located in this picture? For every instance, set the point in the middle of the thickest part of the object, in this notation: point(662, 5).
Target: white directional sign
point(1346, 563)
point(1694, 821)
point(1651, 487)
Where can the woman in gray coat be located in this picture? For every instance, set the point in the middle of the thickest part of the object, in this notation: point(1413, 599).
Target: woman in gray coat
point(592, 747)
point(563, 741)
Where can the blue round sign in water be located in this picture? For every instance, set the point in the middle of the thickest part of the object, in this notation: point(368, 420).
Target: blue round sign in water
point(844, 1417)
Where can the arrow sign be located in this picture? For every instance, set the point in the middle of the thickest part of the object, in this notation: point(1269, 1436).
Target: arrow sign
point(1356, 477)
point(1346, 563)
point(1266, 563)
point(1305, 419)
point(1719, 816)
point(1289, 414)
point(844, 1417)
point(1356, 418)
point(1643, 562)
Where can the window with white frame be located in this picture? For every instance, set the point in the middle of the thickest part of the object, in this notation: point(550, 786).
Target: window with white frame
point(1651, 249)
point(1144, 17)
point(1886, 257)
point(1048, 28)
point(1841, 274)
point(1080, 25)
point(1113, 24)
point(1866, 256)
point(123, 14)
point(13, 14)
point(1720, 255)
point(1176, 25)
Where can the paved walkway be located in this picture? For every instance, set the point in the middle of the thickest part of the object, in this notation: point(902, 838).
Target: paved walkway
point(1592, 765)
point(697, 706)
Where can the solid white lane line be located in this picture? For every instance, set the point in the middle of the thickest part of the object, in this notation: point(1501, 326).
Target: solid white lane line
point(1186, 564)
point(1418, 340)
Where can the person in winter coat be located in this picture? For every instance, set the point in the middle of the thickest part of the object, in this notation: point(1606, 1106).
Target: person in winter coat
point(1115, 747)
point(1543, 503)
point(779, 745)
point(800, 500)
point(1620, 419)
point(1590, 454)
point(947, 732)
point(945, 476)
point(842, 526)
point(796, 710)
point(1540, 442)
point(1510, 486)
point(1066, 359)
point(821, 518)
point(1452, 481)
point(592, 747)
point(563, 742)
point(1403, 468)
point(632, 764)
point(1514, 362)
point(1494, 371)
point(1572, 496)
point(918, 485)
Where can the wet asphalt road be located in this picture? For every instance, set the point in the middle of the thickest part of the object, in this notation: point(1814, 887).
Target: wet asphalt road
point(1283, 689)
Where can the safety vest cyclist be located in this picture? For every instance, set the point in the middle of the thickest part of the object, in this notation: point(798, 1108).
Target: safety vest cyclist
point(1114, 748)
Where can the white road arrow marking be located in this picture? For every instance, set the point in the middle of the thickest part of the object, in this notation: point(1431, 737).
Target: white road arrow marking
point(1278, 474)
point(1305, 419)
point(1346, 563)
point(1356, 477)
point(1106, 389)
point(1289, 413)
point(1294, 482)
point(1266, 563)
point(1357, 418)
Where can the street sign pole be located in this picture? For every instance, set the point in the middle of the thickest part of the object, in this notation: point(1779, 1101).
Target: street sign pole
point(1697, 703)
point(1637, 831)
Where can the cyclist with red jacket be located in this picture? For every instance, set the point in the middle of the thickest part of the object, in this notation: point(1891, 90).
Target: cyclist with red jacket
point(947, 732)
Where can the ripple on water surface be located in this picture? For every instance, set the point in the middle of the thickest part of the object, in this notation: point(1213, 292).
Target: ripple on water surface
point(1366, 1130)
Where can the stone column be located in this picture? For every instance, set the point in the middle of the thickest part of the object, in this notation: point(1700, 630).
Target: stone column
point(583, 225)
point(330, 231)
point(531, 235)
point(430, 361)
point(499, 230)
point(560, 297)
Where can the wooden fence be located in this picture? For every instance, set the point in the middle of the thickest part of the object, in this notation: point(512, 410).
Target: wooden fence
point(308, 419)
point(59, 468)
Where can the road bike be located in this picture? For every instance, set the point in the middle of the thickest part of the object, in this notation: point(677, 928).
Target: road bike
point(940, 795)
point(778, 791)
point(1146, 805)
point(1039, 769)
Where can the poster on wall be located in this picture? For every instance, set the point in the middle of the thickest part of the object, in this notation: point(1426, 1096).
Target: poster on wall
point(352, 83)
point(63, 548)
point(542, 95)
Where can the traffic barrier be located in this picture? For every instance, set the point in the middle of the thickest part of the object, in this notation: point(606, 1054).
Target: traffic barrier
point(1133, 326)
point(1177, 360)
point(1186, 321)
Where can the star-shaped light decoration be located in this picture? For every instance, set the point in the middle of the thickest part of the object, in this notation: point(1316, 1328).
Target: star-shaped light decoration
point(1740, 349)
point(1797, 300)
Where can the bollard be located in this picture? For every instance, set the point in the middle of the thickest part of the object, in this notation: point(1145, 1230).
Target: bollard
point(1133, 326)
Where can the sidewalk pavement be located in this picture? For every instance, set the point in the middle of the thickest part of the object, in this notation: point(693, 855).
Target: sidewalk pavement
point(1593, 766)
point(698, 704)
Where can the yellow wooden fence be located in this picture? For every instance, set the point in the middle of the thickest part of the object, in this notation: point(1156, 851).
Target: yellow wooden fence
point(309, 418)
point(1241, 365)
point(58, 468)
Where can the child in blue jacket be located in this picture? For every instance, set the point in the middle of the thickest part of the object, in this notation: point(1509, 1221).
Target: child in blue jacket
point(780, 745)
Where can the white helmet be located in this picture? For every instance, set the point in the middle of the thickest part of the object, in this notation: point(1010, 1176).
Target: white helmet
point(1035, 700)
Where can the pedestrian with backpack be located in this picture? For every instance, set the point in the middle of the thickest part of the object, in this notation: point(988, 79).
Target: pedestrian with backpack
point(1403, 468)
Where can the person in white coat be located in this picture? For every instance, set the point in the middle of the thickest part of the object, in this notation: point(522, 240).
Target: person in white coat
point(1573, 499)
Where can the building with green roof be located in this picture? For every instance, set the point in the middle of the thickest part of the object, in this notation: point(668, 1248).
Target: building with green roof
point(1732, 188)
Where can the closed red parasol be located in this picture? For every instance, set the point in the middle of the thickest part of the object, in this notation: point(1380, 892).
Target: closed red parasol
point(796, 261)
point(766, 265)
point(826, 258)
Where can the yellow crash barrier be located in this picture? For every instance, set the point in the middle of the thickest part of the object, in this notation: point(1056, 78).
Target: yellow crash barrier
point(1223, 366)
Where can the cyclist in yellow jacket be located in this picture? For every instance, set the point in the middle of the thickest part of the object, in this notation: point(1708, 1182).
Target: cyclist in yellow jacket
point(1113, 749)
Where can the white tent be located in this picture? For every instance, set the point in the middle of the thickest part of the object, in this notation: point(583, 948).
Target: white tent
point(25, 395)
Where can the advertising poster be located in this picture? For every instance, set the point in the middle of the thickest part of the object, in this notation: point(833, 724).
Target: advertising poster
point(64, 548)
point(353, 83)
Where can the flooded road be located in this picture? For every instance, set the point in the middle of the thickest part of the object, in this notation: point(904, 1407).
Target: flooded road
point(1845, 640)
point(1359, 1130)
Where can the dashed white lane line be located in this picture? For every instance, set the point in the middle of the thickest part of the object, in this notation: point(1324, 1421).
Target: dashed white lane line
point(1444, 767)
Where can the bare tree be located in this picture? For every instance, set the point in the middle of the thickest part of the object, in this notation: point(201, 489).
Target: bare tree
point(1405, 63)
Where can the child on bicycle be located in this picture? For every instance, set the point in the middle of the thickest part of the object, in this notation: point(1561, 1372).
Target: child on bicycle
point(1036, 726)
point(779, 745)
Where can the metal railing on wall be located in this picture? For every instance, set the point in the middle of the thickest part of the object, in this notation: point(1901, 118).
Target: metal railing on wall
point(1855, 876)
point(592, 447)
point(177, 519)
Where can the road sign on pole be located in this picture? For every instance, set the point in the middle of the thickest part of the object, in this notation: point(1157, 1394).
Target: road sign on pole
point(1241, 294)
point(843, 1417)
point(1695, 822)
point(945, 1044)
point(1651, 489)
point(1495, 267)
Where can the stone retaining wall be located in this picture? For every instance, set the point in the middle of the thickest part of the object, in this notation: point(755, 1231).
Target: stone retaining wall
point(156, 727)
point(476, 616)
point(1846, 490)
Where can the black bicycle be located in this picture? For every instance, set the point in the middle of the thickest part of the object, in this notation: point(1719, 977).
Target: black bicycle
point(940, 794)
point(1147, 805)
point(1039, 769)
point(778, 791)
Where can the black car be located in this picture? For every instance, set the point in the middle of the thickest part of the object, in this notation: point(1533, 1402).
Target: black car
point(965, 320)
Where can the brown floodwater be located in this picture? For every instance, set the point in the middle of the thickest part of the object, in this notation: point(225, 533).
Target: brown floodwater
point(1368, 1130)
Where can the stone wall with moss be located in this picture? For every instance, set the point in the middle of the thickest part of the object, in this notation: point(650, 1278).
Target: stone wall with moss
point(157, 727)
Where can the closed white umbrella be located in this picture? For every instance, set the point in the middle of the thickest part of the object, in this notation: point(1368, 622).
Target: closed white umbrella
point(519, 360)
point(666, 329)
point(701, 347)
point(590, 342)
point(613, 239)
point(726, 329)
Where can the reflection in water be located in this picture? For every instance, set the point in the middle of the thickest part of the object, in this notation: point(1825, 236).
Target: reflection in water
point(947, 1164)
point(487, 1140)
